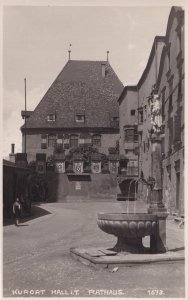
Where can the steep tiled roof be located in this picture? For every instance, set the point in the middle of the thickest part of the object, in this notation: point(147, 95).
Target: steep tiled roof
point(79, 89)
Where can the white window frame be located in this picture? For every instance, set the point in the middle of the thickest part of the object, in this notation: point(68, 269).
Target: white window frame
point(51, 118)
point(82, 120)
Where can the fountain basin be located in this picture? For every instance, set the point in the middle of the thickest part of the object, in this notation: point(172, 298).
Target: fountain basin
point(129, 229)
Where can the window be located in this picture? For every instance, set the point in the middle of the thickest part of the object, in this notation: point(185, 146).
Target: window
point(145, 113)
point(180, 88)
point(51, 117)
point(144, 144)
point(170, 107)
point(51, 140)
point(96, 140)
point(131, 135)
point(80, 118)
point(163, 105)
point(133, 111)
point(171, 133)
point(115, 119)
point(179, 42)
point(140, 115)
point(168, 169)
point(168, 59)
point(177, 125)
point(43, 141)
point(74, 141)
point(132, 168)
point(179, 31)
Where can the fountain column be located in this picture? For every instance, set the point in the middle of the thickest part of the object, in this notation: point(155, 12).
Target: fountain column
point(157, 241)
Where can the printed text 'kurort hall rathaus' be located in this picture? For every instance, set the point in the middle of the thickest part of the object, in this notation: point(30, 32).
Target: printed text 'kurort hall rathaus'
point(89, 130)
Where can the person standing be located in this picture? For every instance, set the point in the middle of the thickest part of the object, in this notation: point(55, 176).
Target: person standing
point(17, 211)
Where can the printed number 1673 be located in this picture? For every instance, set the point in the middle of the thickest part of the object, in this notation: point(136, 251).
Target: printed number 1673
point(155, 292)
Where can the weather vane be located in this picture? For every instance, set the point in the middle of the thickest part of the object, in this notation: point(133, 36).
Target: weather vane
point(70, 45)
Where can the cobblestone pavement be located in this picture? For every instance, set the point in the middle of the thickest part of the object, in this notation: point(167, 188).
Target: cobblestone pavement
point(37, 260)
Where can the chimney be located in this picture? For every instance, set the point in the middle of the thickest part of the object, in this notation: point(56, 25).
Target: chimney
point(107, 54)
point(103, 70)
point(12, 148)
point(12, 154)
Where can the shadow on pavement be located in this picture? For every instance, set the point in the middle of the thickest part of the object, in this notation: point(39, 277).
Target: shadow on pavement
point(36, 212)
point(177, 249)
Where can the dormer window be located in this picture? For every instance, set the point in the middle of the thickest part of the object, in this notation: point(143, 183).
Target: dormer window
point(51, 118)
point(80, 118)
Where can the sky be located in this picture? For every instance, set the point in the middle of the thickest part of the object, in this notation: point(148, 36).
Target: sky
point(36, 40)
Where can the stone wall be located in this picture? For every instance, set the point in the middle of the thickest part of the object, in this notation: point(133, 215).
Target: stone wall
point(65, 188)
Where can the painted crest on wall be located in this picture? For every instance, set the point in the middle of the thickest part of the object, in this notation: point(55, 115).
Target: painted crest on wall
point(60, 167)
point(78, 167)
point(41, 167)
point(96, 167)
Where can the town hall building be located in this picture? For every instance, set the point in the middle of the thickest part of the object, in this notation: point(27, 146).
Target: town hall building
point(80, 109)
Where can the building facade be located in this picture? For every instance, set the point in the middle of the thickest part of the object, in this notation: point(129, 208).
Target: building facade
point(79, 110)
point(135, 121)
point(171, 90)
point(163, 78)
point(128, 144)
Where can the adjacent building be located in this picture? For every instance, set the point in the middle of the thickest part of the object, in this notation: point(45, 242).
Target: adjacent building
point(128, 144)
point(135, 122)
point(163, 77)
point(170, 85)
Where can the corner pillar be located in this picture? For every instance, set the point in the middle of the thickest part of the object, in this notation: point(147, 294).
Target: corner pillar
point(157, 241)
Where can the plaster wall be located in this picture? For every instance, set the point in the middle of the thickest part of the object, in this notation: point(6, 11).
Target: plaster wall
point(128, 103)
point(33, 144)
point(66, 188)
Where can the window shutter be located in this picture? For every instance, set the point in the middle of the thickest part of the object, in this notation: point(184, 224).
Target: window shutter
point(171, 134)
point(43, 141)
point(177, 127)
point(66, 141)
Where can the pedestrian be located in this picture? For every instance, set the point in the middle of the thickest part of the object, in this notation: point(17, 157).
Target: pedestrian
point(17, 210)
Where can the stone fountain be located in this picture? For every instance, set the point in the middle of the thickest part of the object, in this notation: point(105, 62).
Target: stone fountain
point(130, 228)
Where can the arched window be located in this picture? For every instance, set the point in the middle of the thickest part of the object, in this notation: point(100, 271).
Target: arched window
point(74, 141)
point(96, 140)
